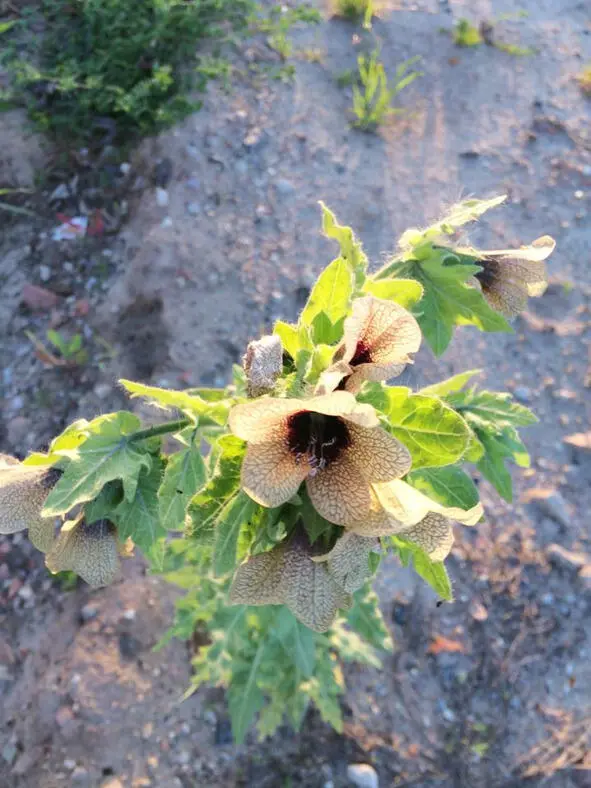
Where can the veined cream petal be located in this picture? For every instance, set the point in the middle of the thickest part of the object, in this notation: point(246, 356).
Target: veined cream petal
point(379, 456)
point(408, 505)
point(339, 492)
point(23, 490)
point(538, 251)
point(258, 581)
point(388, 330)
point(309, 591)
point(372, 372)
point(270, 473)
point(434, 534)
point(259, 420)
point(42, 534)
point(331, 377)
point(348, 561)
point(89, 550)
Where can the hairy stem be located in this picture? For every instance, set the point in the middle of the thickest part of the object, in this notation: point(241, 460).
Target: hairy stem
point(159, 429)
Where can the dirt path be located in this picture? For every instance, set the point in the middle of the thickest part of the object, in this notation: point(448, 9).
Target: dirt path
point(238, 245)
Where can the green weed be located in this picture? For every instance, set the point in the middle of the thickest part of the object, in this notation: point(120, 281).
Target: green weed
point(372, 102)
point(466, 34)
point(110, 69)
point(356, 10)
point(280, 21)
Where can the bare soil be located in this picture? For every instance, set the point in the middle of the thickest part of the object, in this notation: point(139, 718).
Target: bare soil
point(174, 297)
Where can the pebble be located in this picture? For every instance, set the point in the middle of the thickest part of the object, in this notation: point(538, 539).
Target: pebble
point(193, 183)
point(69, 764)
point(102, 390)
point(80, 776)
point(183, 757)
point(362, 775)
point(193, 208)
point(125, 168)
point(241, 167)
point(129, 614)
point(522, 394)
point(88, 612)
point(567, 559)
point(26, 593)
point(17, 430)
point(44, 273)
point(162, 198)
point(284, 187)
point(550, 502)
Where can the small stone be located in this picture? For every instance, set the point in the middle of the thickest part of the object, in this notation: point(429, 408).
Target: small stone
point(44, 273)
point(147, 730)
point(102, 390)
point(26, 593)
point(567, 559)
point(125, 168)
point(522, 394)
point(362, 775)
point(210, 717)
point(585, 576)
point(162, 173)
point(579, 194)
point(183, 757)
point(285, 187)
point(80, 776)
point(162, 199)
point(478, 611)
point(88, 612)
point(112, 782)
point(38, 298)
point(193, 208)
point(129, 614)
point(64, 715)
point(9, 753)
point(69, 764)
point(241, 167)
point(17, 430)
point(550, 502)
point(547, 598)
point(60, 192)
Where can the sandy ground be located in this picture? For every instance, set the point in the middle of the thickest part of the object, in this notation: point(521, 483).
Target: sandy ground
point(177, 294)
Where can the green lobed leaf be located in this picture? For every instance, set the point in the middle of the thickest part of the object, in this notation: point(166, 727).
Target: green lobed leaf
point(450, 486)
point(491, 407)
point(191, 405)
point(331, 294)
point(432, 431)
point(448, 301)
point(105, 455)
point(315, 525)
point(206, 505)
point(297, 640)
point(499, 447)
point(245, 698)
point(365, 618)
point(139, 519)
point(433, 572)
point(451, 385)
point(185, 475)
point(460, 214)
point(406, 292)
point(324, 332)
point(351, 250)
point(228, 524)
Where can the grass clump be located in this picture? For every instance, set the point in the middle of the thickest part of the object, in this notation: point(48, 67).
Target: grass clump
point(119, 68)
point(356, 10)
point(372, 100)
point(465, 34)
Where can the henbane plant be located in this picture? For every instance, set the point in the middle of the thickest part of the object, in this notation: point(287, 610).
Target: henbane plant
point(314, 469)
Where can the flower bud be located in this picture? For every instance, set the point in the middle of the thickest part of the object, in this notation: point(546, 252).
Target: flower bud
point(263, 363)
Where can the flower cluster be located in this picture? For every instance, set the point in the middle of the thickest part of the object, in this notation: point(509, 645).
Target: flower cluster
point(352, 468)
point(90, 550)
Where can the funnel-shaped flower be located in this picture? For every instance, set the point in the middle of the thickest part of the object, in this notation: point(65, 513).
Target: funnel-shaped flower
point(508, 276)
point(332, 442)
point(23, 490)
point(288, 575)
point(399, 509)
point(378, 338)
point(88, 549)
